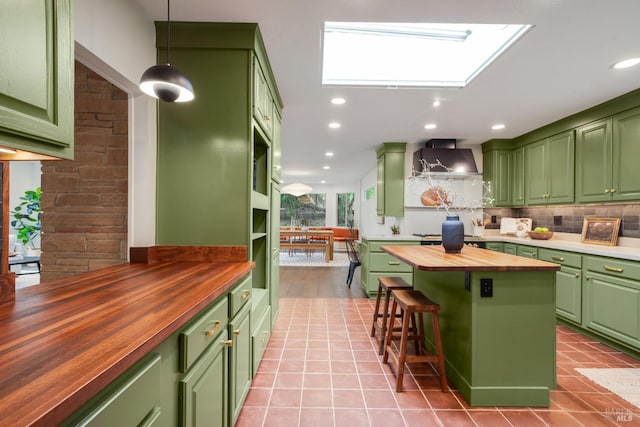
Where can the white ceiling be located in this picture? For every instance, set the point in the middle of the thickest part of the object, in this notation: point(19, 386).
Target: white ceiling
point(558, 68)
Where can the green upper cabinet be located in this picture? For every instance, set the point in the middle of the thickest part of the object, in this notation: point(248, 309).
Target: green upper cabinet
point(549, 170)
point(516, 177)
point(501, 182)
point(606, 153)
point(36, 77)
point(390, 179)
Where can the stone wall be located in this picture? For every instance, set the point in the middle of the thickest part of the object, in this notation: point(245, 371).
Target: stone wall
point(84, 201)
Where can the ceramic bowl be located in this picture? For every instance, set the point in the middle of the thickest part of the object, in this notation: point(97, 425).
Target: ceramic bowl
point(541, 236)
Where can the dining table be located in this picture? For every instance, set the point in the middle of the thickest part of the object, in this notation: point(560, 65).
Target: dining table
point(312, 239)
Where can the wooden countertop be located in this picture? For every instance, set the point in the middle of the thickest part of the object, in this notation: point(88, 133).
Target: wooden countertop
point(62, 342)
point(434, 258)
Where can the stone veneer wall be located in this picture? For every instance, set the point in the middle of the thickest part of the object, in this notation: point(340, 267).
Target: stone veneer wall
point(570, 218)
point(84, 201)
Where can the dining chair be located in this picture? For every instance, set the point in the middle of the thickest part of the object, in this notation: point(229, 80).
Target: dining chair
point(354, 259)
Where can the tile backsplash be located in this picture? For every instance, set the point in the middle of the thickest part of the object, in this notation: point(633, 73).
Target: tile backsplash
point(569, 219)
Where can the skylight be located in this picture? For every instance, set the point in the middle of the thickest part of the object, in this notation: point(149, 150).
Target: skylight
point(393, 54)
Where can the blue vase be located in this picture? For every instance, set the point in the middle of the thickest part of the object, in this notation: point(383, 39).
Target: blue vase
point(452, 234)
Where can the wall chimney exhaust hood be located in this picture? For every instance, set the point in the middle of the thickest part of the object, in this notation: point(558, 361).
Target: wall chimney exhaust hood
point(460, 160)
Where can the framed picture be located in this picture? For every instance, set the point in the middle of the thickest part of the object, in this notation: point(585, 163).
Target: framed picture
point(601, 231)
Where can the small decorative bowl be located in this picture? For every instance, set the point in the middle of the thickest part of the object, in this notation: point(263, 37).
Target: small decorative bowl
point(541, 236)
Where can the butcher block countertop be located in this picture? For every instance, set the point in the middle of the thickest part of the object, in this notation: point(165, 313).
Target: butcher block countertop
point(434, 258)
point(63, 341)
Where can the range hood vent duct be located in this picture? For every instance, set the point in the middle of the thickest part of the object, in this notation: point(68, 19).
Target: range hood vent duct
point(459, 159)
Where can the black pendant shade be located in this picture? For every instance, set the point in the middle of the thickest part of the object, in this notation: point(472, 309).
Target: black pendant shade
point(164, 81)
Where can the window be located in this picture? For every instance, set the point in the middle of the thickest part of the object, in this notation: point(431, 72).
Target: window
point(345, 209)
point(305, 210)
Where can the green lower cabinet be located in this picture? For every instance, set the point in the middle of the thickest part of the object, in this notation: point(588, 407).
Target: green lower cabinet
point(240, 372)
point(203, 390)
point(569, 294)
point(376, 263)
point(612, 299)
point(132, 400)
point(260, 338)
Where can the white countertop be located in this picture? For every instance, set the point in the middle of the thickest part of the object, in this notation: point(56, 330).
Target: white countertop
point(627, 248)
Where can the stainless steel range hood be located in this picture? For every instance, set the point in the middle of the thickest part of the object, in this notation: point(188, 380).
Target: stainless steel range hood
point(459, 159)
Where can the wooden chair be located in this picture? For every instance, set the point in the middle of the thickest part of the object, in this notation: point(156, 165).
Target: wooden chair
point(381, 319)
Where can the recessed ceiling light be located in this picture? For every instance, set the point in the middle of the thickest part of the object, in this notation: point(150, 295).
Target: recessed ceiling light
point(499, 126)
point(334, 125)
point(436, 103)
point(338, 101)
point(329, 154)
point(626, 63)
point(430, 126)
point(326, 167)
point(323, 182)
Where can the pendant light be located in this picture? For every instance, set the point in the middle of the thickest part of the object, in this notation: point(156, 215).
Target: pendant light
point(296, 189)
point(165, 82)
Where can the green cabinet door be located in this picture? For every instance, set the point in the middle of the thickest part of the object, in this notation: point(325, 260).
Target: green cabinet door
point(390, 179)
point(276, 147)
point(36, 87)
point(510, 248)
point(501, 181)
point(203, 389)
point(626, 152)
point(495, 246)
point(240, 373)
point(593, 162)
point(516, 177)
point(569, 294)
point(549, 170)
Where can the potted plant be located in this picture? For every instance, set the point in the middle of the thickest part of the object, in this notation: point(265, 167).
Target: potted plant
point(26, 218)
point(395, 229)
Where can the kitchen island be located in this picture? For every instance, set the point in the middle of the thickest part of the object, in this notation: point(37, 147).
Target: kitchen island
point(497, 319)
point(64, 342)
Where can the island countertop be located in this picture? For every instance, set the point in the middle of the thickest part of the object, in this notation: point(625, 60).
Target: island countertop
point(62, 342)
point(434, 258)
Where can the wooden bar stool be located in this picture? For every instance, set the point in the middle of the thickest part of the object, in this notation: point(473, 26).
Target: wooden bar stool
point(412, 303)
point(380, 319)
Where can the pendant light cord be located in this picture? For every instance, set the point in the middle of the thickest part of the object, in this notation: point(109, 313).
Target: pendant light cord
point(168, 29)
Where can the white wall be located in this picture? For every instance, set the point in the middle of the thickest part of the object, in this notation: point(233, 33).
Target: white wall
point(115, 39)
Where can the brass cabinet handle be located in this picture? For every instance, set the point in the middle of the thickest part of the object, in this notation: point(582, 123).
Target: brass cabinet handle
point(266, 117)
point(606, 190)
point(557, 258)
point(613, 190)
point(615, 269)
point(228, 343)
point(245, 294)
point(587, 277)
point(394, 262)
point(577, 275)
point(236, 332)
point(215, 329)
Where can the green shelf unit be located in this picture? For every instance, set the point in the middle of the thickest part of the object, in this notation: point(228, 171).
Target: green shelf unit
point(259, 253)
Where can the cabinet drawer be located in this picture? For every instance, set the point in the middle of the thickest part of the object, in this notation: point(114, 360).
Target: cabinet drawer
point(614, 267)
point(260, 338)
point(375, 246)
point(560, 257)
point(238, 297)
point(527, 251)
point(387, 263)
point(202, 332)
point(130, 401)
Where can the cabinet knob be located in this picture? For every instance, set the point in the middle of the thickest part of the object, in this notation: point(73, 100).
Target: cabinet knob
point(266, 117)
point(236, 332)
point(577, 275)
point(613, 190)
point(228, 343)
point(245, 295)
point(587, 277)
point(606, 190)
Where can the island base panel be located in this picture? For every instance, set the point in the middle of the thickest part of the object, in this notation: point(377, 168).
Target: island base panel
point(499, 350)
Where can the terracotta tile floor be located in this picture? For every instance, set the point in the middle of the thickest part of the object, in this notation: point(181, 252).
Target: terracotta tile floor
point(321, 368)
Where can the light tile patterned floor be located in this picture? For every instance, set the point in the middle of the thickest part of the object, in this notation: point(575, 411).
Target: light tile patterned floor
point(321, 368)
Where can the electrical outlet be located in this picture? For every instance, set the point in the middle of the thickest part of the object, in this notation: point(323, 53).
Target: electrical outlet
point(486, 288)
point(494, 219)
point(557, 220)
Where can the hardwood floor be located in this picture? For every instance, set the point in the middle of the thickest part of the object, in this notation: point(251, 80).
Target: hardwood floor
point(318, 282)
